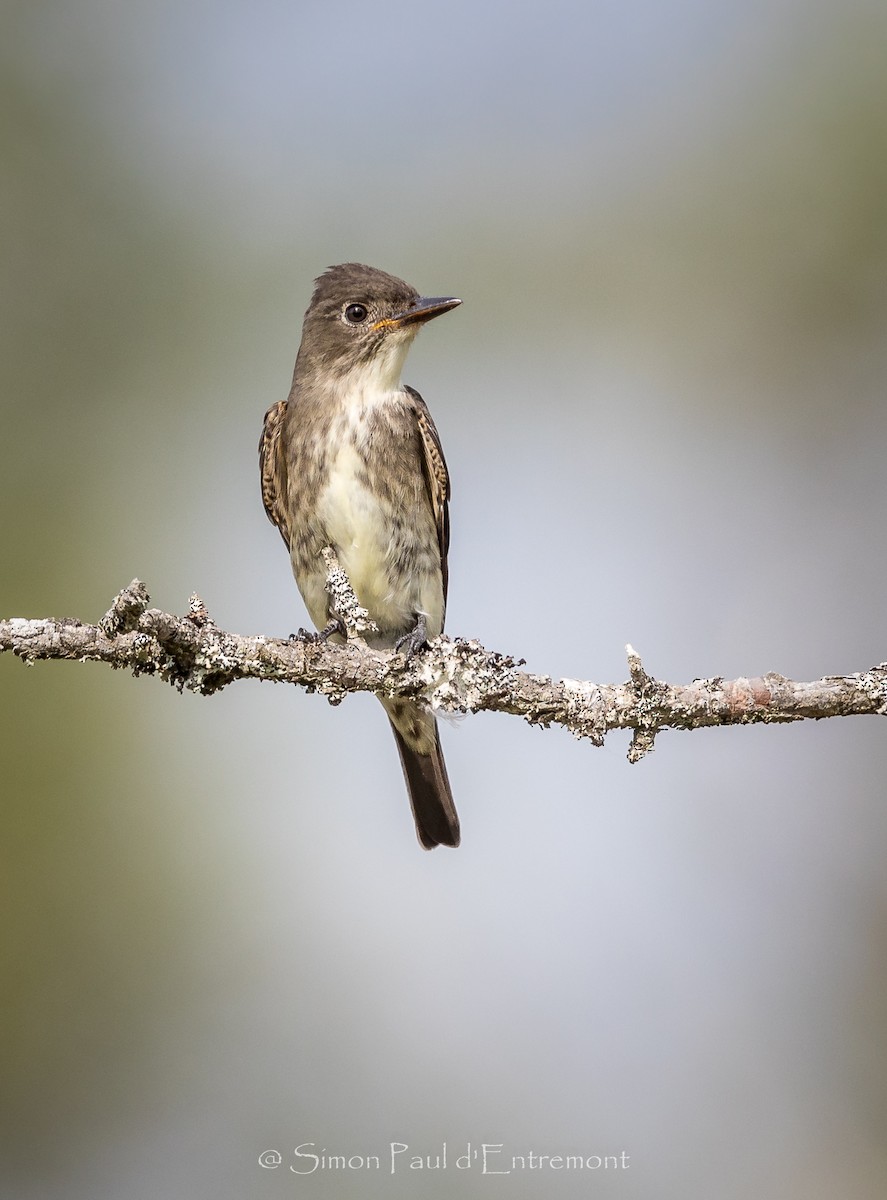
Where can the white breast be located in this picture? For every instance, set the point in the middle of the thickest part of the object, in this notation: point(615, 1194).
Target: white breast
point(357, 525)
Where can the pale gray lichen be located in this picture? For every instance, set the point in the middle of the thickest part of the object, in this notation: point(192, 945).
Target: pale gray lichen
point(582, 705)
point(451, 675)
point(354, 616)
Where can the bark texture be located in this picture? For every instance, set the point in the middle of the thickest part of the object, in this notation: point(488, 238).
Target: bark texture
point(455, 675)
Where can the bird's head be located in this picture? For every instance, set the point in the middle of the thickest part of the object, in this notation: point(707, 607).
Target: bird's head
point(364, 319)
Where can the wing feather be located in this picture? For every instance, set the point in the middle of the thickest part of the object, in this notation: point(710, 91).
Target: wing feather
point(272, 466)
point(436, 477)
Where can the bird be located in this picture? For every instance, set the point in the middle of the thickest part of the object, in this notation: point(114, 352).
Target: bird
point(352, 460)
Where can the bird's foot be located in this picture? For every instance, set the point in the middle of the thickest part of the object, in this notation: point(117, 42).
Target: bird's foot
point(315, 637)
point(416, 640)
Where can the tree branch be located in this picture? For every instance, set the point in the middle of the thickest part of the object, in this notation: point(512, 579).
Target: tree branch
point(455, 675)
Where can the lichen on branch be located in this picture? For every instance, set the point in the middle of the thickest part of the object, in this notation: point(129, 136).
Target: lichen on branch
point(452, 674)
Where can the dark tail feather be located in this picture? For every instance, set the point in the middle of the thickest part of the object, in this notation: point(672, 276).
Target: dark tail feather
point(426, 776)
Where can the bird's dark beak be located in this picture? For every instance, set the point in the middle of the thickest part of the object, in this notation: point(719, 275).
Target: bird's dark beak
point(426, 308)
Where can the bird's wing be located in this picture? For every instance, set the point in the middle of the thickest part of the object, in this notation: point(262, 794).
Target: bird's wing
point(272, 466)
point(436, 478)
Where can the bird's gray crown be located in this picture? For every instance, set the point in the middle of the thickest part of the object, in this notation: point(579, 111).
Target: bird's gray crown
point(357, 283)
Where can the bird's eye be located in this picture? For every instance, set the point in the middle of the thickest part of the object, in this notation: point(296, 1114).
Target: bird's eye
point(355, 313)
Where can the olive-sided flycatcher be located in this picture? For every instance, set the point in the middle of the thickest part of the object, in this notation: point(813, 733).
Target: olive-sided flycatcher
point(352, 460)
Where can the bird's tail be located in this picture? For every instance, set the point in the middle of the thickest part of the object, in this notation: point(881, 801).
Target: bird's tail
point(425, 772)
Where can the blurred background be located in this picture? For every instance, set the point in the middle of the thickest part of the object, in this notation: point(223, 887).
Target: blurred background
point(663, 406)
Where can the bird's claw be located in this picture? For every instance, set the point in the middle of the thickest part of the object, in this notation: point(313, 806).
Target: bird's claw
point(415, 640)
point(318, 637)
